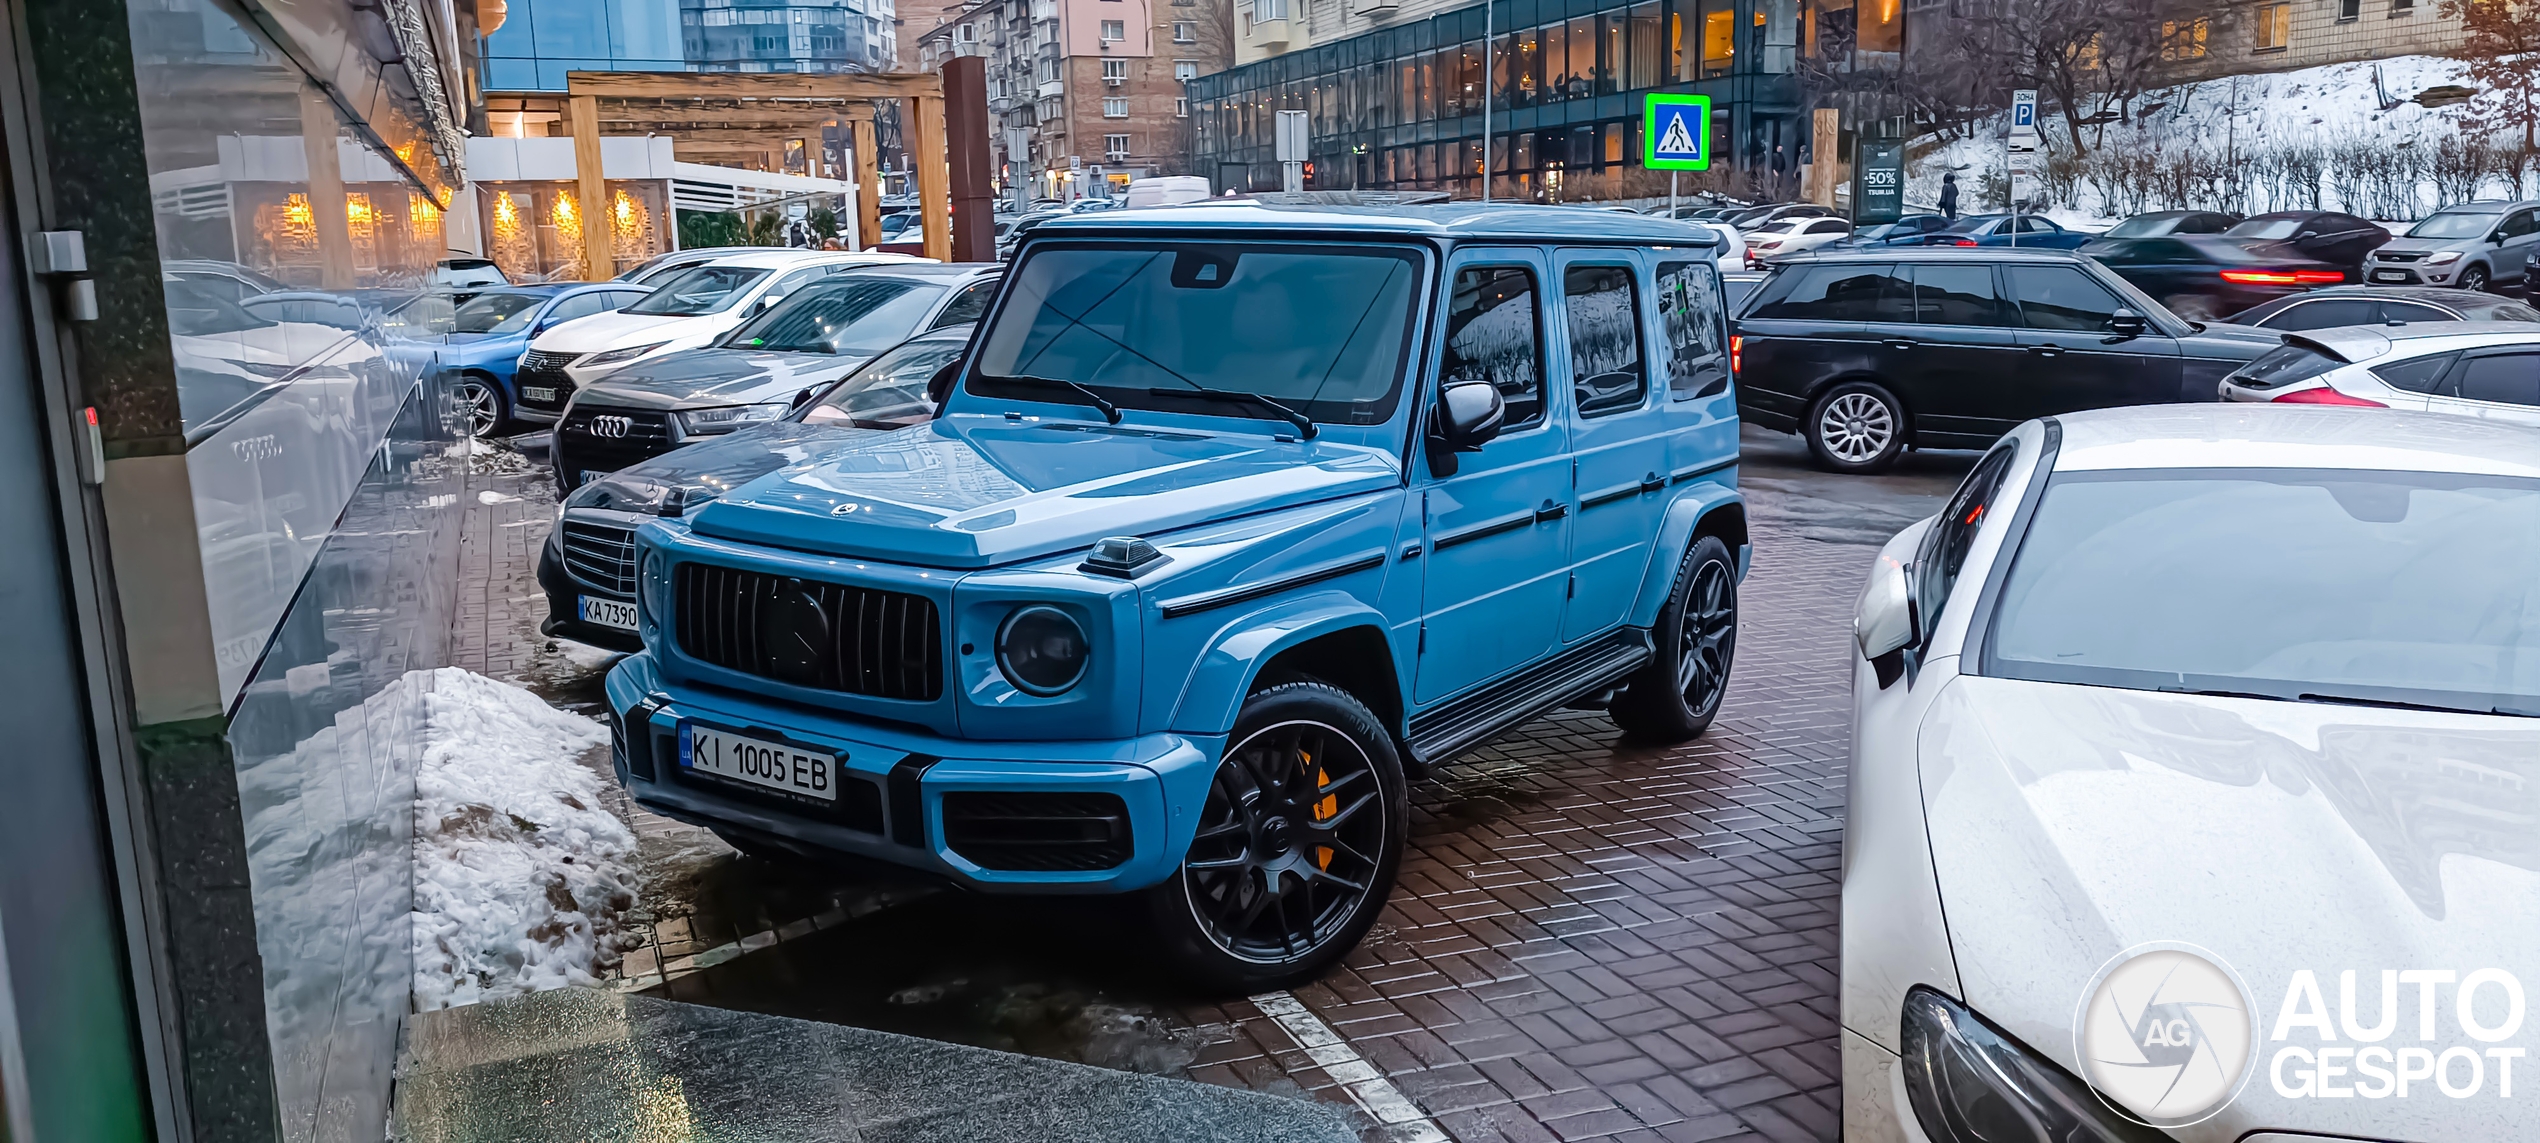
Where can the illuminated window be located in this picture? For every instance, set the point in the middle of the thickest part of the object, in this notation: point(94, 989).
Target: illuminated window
point(2275, 27)
point(2184, 39)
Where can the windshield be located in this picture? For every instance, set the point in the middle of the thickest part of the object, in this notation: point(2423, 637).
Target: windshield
point(1970, 224)
point(1321, 329)
point(2143, 224)
point(497, 313)
point(2267, 228)
point(196, 312)
point(888, 393)
point(704, 290)
point(842, 315)
point(2453, 224)
point(2391, 587)
point(665, 272)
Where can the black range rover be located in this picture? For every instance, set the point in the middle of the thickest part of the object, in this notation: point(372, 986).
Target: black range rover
point(1866, 355)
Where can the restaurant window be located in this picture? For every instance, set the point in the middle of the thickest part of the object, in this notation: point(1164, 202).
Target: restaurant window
point(1719, 38)
point(1645, 56)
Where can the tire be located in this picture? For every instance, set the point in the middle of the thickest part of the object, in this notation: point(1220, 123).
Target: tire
point(2475, 278)
point(1857, 427)
point(1677, 693)
point(1258, 904)
point(482, 410)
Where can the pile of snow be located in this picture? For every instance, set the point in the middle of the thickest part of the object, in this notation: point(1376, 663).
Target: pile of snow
point(522, 879)
point(2226, 117)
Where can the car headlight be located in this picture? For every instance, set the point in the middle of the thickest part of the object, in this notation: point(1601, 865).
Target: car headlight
point(729, 417)
point(2445, 258)
point(1042, 651)
point(620, 356)
point(1970, 1083)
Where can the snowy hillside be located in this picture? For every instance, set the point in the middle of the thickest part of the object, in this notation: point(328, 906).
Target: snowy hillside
point(2257, 141)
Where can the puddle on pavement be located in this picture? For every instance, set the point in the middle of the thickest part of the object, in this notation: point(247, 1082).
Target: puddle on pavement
point(1060, 978)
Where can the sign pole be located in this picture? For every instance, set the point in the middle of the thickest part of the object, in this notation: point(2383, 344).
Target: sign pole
point(1490, 8)
point(1671, 194)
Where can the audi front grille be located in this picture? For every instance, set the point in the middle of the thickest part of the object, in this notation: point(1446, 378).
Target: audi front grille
point(618, 425)
point(832, 637)
point(601, 557)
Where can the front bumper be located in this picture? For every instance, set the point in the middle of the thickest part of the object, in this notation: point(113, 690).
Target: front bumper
point(893, 783)
point(565, 590)
point(2409, 273)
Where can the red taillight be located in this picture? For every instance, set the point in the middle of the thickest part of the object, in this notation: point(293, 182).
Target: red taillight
point(1737, 353)
point(2327, 396)
point(1966, 242)
point(2284, 277)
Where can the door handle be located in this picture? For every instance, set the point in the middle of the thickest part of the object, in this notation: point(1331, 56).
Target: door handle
point(1551, 510)
point(2047, 350)
point(1652, 482)
point(1898, 343)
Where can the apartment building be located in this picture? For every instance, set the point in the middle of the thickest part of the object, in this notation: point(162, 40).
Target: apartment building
point(789, 35)
point(1086, 96)
point(2282, 35)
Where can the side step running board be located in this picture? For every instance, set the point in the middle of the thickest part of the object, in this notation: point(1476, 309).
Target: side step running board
point(1439, 735)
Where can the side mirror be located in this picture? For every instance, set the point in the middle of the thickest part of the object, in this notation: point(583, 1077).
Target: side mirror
point(2128, 322)
point(1468, 415)
point(801, 399)
point(939, 386)
point(2496, 239)
point(1886, 621)
point(769, 302)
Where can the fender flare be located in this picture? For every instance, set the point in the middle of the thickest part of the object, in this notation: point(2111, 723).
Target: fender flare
point(1235, 655)
point(1675, 534)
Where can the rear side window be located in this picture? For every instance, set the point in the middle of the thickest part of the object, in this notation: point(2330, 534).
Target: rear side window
point(1944, 549)
point(1829, 293)
point(2410, 311)
point(1689, 314)
point(967, 306)
point(2062, 297)
point(1961, 294)
point(1494, 335)
point(2419, 375)
point(2325, 313)
point(1607, 372)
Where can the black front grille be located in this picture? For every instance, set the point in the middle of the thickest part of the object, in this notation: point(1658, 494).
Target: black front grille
point(601, 557)
point(545, 361)
point(2399, 256)
point(825, 635)
point(618, 426)
point(1037, 832)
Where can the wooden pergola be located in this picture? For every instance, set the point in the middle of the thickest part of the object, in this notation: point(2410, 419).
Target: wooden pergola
point(727, 113)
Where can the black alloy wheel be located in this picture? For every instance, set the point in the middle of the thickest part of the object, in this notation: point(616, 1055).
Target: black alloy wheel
point(1296, 847)
point(1677, 693)
point(1857, 427)
point(2474, 278)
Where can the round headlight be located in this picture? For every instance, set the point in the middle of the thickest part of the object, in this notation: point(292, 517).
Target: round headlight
point(1041, 650)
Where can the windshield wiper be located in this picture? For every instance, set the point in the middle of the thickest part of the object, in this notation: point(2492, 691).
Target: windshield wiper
point(1084, 396)
point(1304, 424)
point(2402, 704)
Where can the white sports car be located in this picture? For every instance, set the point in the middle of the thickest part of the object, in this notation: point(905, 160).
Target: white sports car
point(2195, 790)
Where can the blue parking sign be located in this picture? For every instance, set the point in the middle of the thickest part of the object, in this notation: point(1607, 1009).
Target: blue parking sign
point(1676, 132)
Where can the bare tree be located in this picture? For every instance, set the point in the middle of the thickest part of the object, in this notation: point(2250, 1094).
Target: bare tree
point(2079, 54)
point(2502, 48)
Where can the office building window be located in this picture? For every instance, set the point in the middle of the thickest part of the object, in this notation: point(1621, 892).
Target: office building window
point(2275, 27)
point(1114, 31)
point(1115, 108)
point(1185, 32)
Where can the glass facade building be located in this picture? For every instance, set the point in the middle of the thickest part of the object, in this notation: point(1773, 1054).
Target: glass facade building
point(539, 41)
point(1400, 108)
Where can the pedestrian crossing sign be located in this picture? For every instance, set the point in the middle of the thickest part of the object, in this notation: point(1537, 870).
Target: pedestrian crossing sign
point(1675, 132)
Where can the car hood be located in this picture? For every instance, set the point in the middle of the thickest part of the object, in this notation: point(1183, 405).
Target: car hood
point(973, 491)
point(686, 478)
point(613, 330)
point(2070, 823)
point(700, 377)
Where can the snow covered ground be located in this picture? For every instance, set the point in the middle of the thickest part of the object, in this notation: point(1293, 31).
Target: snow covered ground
point(522, 879)
point(2229, 119)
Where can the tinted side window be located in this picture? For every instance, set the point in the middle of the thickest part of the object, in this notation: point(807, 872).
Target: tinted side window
point(1689, 311)
point(2061, 297)
point(2324, 313)
point(582, 305)
point(967, 306)
point(1956, 295)
point(1607, 371)
point(1944, 548)
point(2411, 311)
point(1829, 293)
point(1494, 335)
point(2506, 378)
point(2422, 375)
point(1827, 227)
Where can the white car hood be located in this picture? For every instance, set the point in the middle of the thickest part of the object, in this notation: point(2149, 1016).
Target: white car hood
point(620, 329)
point(2070, 823)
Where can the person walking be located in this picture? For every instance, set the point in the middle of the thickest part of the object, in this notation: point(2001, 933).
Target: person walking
point(1949, 196)
point(1781, 170)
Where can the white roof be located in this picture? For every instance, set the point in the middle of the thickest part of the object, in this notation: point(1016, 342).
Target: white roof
point(2289, 436)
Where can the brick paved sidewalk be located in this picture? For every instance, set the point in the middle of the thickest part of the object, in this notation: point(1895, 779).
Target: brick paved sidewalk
point(1593, 940)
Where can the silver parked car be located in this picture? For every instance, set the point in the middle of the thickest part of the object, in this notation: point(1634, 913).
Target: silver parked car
point(2480, 369)
point(2137, 854)
point(2473, 246)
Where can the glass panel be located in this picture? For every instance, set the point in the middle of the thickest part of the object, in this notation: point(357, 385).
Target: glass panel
point(2061, 297)
point(1690, 311)
point(1957, 295)
point(1493, 334)
point(1646, 57)
point(1606, 373)
point(1719, 37)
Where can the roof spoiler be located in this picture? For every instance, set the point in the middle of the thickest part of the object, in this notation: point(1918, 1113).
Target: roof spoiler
point(2359, 344)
